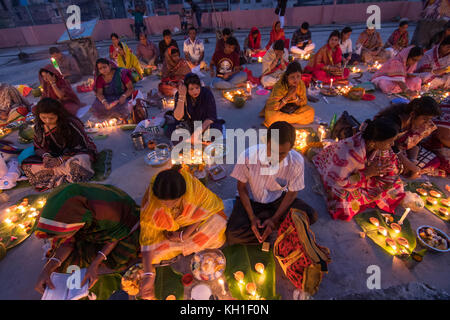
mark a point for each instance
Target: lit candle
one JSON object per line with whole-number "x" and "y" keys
{"x": 382, "y": 230}
{"x": 171, "y": 297}
{"x": 222, "y": 285}
{"x": 21, "y": 226}
{"x": 390, "y": 242}
{"x": 239, "y": 276}
{"x": 251, "y": 288}
{"x": 7, "y": 221}
{"x": 403, "y": 242}
{"x": 396, "y": 228}
{"x": 331, "y": 83}
{"x": 259, "y": 267}
{"x": 374, "y": 221}
{"x": 259, "y": 59}
{"x": 400, "y": 222}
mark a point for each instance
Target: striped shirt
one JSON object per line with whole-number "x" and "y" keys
{"x": 266, "y": 188}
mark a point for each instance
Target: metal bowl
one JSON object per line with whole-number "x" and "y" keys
{"x": 152, "y": 159}
{"x": 439, "y": 232}
{"x": 198, "y": 259}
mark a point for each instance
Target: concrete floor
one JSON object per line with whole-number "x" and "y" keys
{"x": 351, "y": 255}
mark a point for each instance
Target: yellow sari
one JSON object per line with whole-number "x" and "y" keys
{"x": 303, "y": 115}
{"x": 199, "y": 205}
{"x": 131, "y": 61}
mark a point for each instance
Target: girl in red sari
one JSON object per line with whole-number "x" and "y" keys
{"x": 361, "y": 172}
{"x": 56, "y": 87}
{"x": 327, "y": 63}
{"x": 277, "y": 33}
{"x": 252, "y": 44}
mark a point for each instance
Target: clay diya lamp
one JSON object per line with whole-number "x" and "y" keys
{"x": 396, "y": 228}
{"x": 443, "y": 211}
{"x": 435, "y": 194}
{"x": 259, "y": 267}
{"x": 251, "y": 288}
{"x": 171, "y": 297}
{"x": 382, "y": 230}
{"x": 390, "y": 242}
{"x": 374, "y": 221}
{"x": 431, "y": 201}
{"x": 403, "y": 242}
{"x": 239, "y": 276}
{"x": 422, "y": 192}
{"x": 445, "y": 202}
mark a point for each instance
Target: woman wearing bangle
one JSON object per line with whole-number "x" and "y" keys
{"x": 194, "y": 103}
{"x": 114, "y": 88}
{"x": 179, "y": 215}
{"x": 56, "y": 87}
{"x": 288, "y": 102}
{"x": 63, "y": 152}
{"x": 91, "y": 226}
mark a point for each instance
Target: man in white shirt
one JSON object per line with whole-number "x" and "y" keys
{"x": 194, "y": 50}
{"x": 264, "y": 200}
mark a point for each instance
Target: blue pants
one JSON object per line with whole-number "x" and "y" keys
{"x": 198, "y": 16}
{"x": 222, "y": 84}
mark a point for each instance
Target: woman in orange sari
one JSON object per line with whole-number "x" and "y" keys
{"x": 179, "y": 215}
{"x": 277, "y": 33}
{"x": 327, "y": 63}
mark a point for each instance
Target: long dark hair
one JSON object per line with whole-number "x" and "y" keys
{"x": 415, "y": 52}
{"x": 335, "y": 33}
{"x": 63, "y": 128}
{"x": 380, "y": 129}
{"x": 102, "y": 61}
{"x": 292, "y": 67}
{"x": 169, "y": 184}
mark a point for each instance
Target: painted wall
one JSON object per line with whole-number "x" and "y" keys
{"x": 243, "y": 19}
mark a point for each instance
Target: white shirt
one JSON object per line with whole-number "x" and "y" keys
{"x": 195, "y": 49}
{"x": 346, "y": 46}
{"x": 268, "y": 188}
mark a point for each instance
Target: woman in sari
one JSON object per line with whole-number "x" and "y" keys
{"x": 194, "y": 103}
{"x": 288, "y": 101}
{"x": 398, "y": 40}
{"x": 277, "y": 33}
{"x": 91, "y": 226}
{"x": 434, "y": 66}
{"x": 173, "y": 71}
{"x": 56, "y": 87}
{"x": 252, "y": 44}
{"x": 12, "y": 103}
{"x": 327, "y": 63}
{"x": 395, "y": 76}
{"x": 114, "y": 89}
{"x": 126, "y": 59}
{"x": 179, "y": 215}
{"x": 416, "y": 124}
{"x": 361, "y": 172}
{"x": 370, "y": 46}
{"x": 114, "y": 47}
{"x": 63, "y": 152}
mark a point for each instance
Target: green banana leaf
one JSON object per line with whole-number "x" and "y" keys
{"x": 168, "y": 282}
{"x": 106, "y": 285}
{"x": 371, "y": 231}
{"x": 433, "y": 208}
{"x": 8, "y": 230}
{"x": 368, "y": 86}
{"x": 243, "y": 258}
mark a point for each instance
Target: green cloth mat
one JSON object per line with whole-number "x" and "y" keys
{"x": 433, "y": 208}
{"x": 102, "y": 169}
{"x": 362, "y": 219}
{"x": 243, "y": 258}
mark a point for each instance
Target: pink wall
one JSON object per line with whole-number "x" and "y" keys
{"x": 244, "y": 19}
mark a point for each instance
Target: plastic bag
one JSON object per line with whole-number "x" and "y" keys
{"x": 413, "y": 201}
